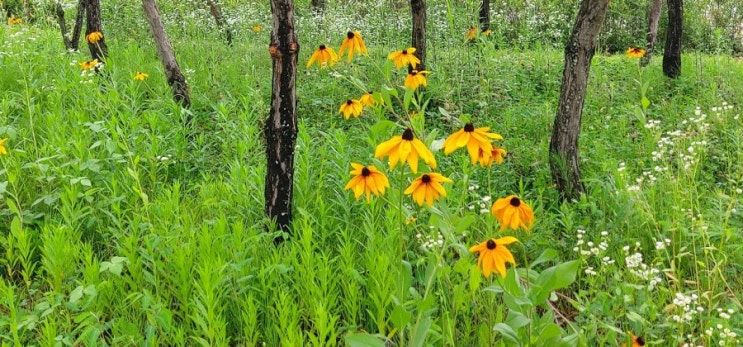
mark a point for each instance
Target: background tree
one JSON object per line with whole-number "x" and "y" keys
{"x": 672, "y": 53}
{"x": 98, "y": 49}
{"x": 484, "y": 15}
{"x": 418, "y": 10}
{"x": 216, "y": 11}
{"x": 578, "y": 55}
{"x": 281, "y": 127}
{"x": 176, "y": 80}
{"x": 653, "y": 21}
{"x": 71, "y": 43}
{"x": 318, "y": 6}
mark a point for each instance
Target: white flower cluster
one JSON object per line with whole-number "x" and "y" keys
{"x": 431, "y": 242}
{"x": 727, "y": 336}
{"x": 592, "y": 249}
{"x": 686, "y": 307}
{"x": 637, "y": 267}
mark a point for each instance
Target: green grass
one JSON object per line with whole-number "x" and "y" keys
{"x": 123, "y": 226}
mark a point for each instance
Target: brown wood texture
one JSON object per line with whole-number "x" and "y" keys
{"x": 418, "y": 11}
{"x": 98, "y": 50}
{"x": 653, "y": 22}
{"x": 672, "y": 52}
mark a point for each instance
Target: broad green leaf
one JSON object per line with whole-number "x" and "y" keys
{"x": 508, "y": 333}
{"x": 645, "y": 103}
{"x": 421, "y": 331}
{"x": 363, "y": 340}
{"x": 547, "y": 255}
{"x": 400, "y": 317}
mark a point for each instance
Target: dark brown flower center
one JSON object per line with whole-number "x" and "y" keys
{"x": 404, "y": 51}
{"x": 322, "y": 47}
{"x": 469, "y": 127}
{"x": 413, "y": 73}
{"x": 425, "y": 178}
{"x": 408, "y": 135}
{"x": 365, "y": 172}
{"x": 515, "y": 202}
{"x": 349, "y": 102}
{"x": 350, "y": 35}
{"x": 370, "y": 93}
{"x": 640, "y": 341}
{"x": 491, "y": 245}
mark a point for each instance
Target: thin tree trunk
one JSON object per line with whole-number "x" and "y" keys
{"x": 578, "y": 55}
{"x": 318, "y": 6}
{"x": 281, "y": 127}
{"x": 98, "y": 50}
{"x": 221, "y": 24}
{"x": 672, "y": 53}
{"x": 484, "y": 15}
{"x": 653, "y": 21}
{"x": 176, "y": 80}
{"x": 418, "y": 9}
{"x": 75, "y": 40}
{"x": 59, "y": 10}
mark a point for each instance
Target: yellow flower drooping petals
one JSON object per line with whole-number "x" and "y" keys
{"x": 471, "y": 33}
{"x": 477, "y": 140}
{"x": 496, "y": 155}
{"x": 257, "y": 28}
{"x": 3, "y": 150}
{"x": 405, "y": 149}
{"x": 89, "y": 64}
{"x": 353, "y": 43}
{"x": 351, "y": 107}
{"x": 141, "y": 76}
{"x": 427, "y": 188}
{"x": 416, "y": 79}
{"x": 512, "y": 212}
{"x": 404, "y": 57}
{"x": 637, "y": 341}
{"x": 634, "y": 52}
{"x": 323, "y": 55}
{"x": 493, "y": 255}
{"x": 94, "y": 37}
{"x": 367, "y": 179}
{"x": 13, "y": 20}
{"x": 368, "y": 99}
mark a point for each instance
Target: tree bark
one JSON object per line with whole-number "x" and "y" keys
{"x": 484, "y": 15}
{"x": 281, "y": 127}
{"x": 653, "y": 22}
{"x": 418, "y": 10}
{"x": 176, "y": 80}
{"x": 318, "y": 6}
{"x": 672, "y": 53}
{"x": 221, "y": 24}
{"x": 578, "y": 55}
{"x": 98, "y": 50}
{"x": 59, "y": 11}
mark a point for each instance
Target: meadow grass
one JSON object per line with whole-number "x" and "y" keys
{"x": 125, "y": 226}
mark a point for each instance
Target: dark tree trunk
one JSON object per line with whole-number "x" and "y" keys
{"x": 167, "y": 56}
{"x": 484, "y": 15}
{"x": 318, "y": 6}
{"x": 653, "y": 21}
{"x": 98, "y": 50}
{"x": 281, "y": 127}
{"x": 418, "y": 9}
{"x": 75, "y": 40}
{"x": 578, "y": 55}
{"x": 672, "y": 53}
{"x": 221, "y": 24}
{"x": 59, "y": 10}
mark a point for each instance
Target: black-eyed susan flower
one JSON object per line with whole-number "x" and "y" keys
{"x": 634, "y": 52}
{"x": 89, "y": 64}
{"x": 94, "y": 37}
{"x": 486, "y": 32}
{"x": 427, "y": 188}
{"x": 637, "y": 341}
{"x": 471, "y": 33}
{"x": 513, "y": 212}
{"x": 368, "y": 99}
{"x": 367, "y": 179}
{"x": 257, "y": 28}
{"x": 323, "y": 55}
{"x": 141, "y": 76}
{"x": 3, "y": 150}
{"x": 353, "y": 43}
{"x": 404, "y": 57}
{"x": 493, "y": 255}
{"x": 405, "y": 149}
{"x": 476, "y": 140}
{"x": 416, "y": 79}
{"x": 13, "y": 20}
{"x": 496, "y": 154}
{"x": 351, "y": 107}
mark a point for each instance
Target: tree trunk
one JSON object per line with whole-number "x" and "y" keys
{"x": 98, "y": 50}
{"x": 221, "y": 24}
{"x": 672, "y": 53}
{"x": 59, "y": 10}
{"x": 653, "y": 21}
{"x": 418, "y": 9}
{"x": 172, "y": 70}
{"x": 484, "y": 15}
{"x": 318, "y": 6}
{"x": 578, "y": 55}
{"x": 75, "y": 40}
{"x": 281, "y": 127}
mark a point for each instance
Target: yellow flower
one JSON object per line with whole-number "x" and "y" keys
{"x": 637, "y": 341}
{"x": 353, "y": 42}
{"x": 141, "y": 76}
{"x": 404, "y": 57}
{"x": 416, "y": 79}
{"x": 405, "y": 148}
{"x": 496, "y": 155}
{"x": 94, "y": 37}
{"x": 471, "y": 33}
{"x": 368, "y": 99}
{"x": 87, "y": 65}
{"x": 476, "y": 140}
{"x": 427, "y": 188}
{"x": 323, "y": 55}
{"x": 493, "y": 255}
{"x": 351, "y": 107}
{"x": 3, "y": 150}
{"x": 512, "y": 212}
{"x": 257, "y": 28}
{"x": 486, "y": 32}
{"x": 634, "y": 52}
{"x": 12, "y": 20}
{"x": 367, "y": 179}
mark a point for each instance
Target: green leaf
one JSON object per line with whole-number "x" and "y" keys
{"x": 363, "y": 340}
{"x": 549, "y": 254}
{"x": 475, "y": 278}
{"x": 516, "y": 319}
{"x": 400, "y": 317}
{"x": 421, "y": 331}
{"x": 640, "y": 115}
{"x": 508, "y": 333}
{"x": 645, "y": 103}
{"x": 549, "y": 332}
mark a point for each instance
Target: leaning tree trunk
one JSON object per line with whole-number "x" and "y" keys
{"x": 653, "y": 21}
{"x": 167, "y": 56}
{"x": 578, "y": 55}
{"x": 484, "y": 15}
{"x": 221, "y": 24}
{"x": 672, "y": 53}
{"x": 281, "y": 127}
{"x": 75, "y": 40}
{"x": 59, "y": 10}
{"x": 98, "y": 50}
{"x": 418, "y": 9}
